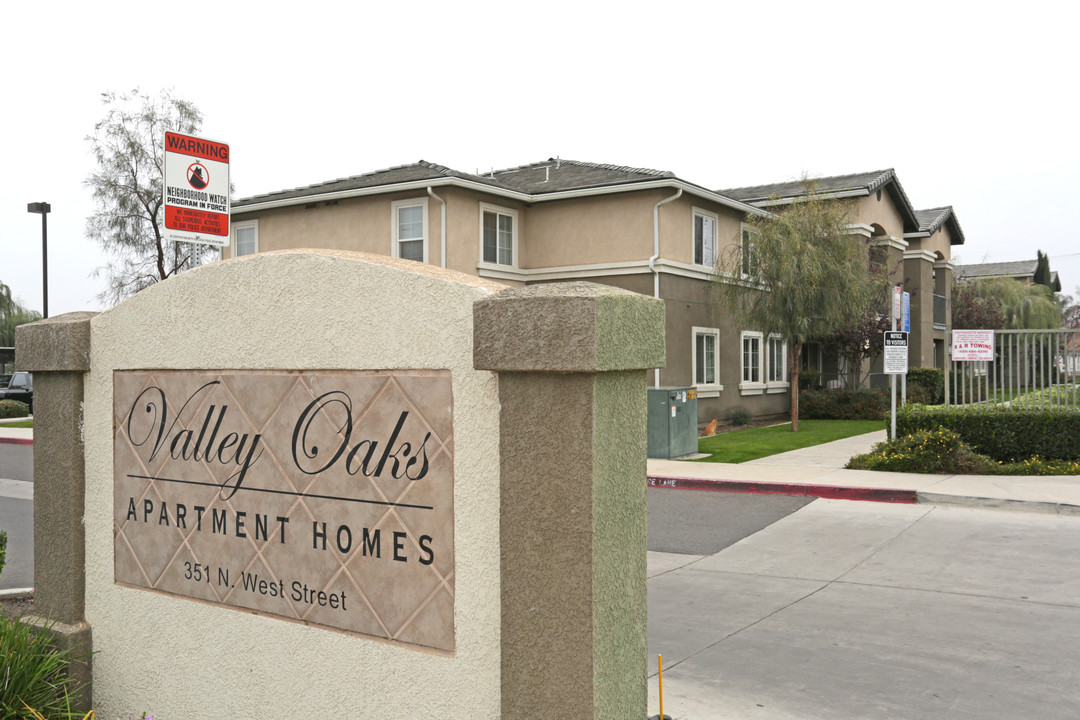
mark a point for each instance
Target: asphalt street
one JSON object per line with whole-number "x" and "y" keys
{"x": 845, "y": 610}
{"x": 703, "y": 523}
{"x": 17, "y": 462}
{"x": 17, "y": 514}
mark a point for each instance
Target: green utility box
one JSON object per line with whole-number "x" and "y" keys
{"x": 672, "y": 422}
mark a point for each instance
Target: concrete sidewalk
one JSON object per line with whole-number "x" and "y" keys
{"x": 819, "y": 471}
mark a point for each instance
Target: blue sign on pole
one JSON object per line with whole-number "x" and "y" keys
{"x": 907, "y": 313}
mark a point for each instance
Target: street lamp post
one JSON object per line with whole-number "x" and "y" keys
{"x": 43, "y": 209}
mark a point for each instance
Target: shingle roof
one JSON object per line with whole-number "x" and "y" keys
{"x": 1016, "y": 269}
{"x": 557, "y": 175}
{"x": 825, "y": 185}
{"x": 868, "y": 182}
{"x": 551, "y": 176}
{"x": 422, "y": 170}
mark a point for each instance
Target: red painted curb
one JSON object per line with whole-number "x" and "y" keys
{"x": 16, "y": 441}
{"x": 889, "y": 495}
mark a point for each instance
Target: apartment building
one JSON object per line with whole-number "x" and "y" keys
{"x": 643, "y": 230}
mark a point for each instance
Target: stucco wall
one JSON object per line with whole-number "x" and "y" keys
{"x": 180, "y": 658}
{"x": 870, "y": 210}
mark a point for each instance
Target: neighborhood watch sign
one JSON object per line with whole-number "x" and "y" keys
{"x": 318, "y": 497}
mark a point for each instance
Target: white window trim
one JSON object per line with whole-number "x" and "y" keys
{"x": 709, "y": 390}
{"x": 743, "y": 230}
{"x": 408, "y": 202}
{"x": 752, "y": 388}
{"x": 488, "y": 207}
{"x": 716, "y": 236}
{"x": 777, "y": 386}
{"x": 244, "y": 224}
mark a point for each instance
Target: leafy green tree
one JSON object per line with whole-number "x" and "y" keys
{"x": 1070, "y": 310}
{"x": 128, "y": 146}
{"x": 12, "y": 314}
{"x": 799, "y": 276}
{"x": 1042, "y": 270}
{"x": 971, "y": 311}
{"x": 1022, "y": 306}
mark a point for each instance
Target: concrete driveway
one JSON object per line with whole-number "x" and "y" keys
{"x": 870, "y": 610}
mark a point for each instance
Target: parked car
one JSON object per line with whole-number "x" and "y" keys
{"x": 20, "y": 387}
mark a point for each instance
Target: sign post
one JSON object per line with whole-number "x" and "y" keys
{"x": 905, "y": 325}
{"x": 196, "y": 190}
{"x": 896, "y": 363}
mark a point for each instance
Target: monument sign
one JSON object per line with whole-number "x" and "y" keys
{"x": 319, "y": 497}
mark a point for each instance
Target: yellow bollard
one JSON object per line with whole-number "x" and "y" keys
{"x": 660, "y": 665}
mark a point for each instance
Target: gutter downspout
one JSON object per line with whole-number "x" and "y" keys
{"x": 656, "y": 254}
{"x": 442, "y": 224}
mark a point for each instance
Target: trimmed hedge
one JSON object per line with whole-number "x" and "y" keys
{"x": 861, "y": 404}
{"x": 13, "y": 409}
{"x": 926, "y": 386}
{"x": 1002, "y": 434}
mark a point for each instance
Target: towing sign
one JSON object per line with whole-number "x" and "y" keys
{"x": 196, "y": 190}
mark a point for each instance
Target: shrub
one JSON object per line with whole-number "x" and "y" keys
{"x": 925, "y": 451}
{"x": 34, "y": 672}
{"x": 740, "y": 416}
{"x": 926, "y": 386}
{"x": 860, "y": 404}
{"x": 13, "y": 409}
{"x": 809, "y": 379}
{"x": 1003, "y": 434}
{"x": 1049, "y": 398}
{"x": 3, "y": 550}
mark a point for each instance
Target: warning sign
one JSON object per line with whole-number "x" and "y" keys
{"x": 973, "y": 345}
{"x": 196, "y": 190}
{"x": 896, "y": 353}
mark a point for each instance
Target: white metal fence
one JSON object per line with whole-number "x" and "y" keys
{"x": 1031, "y": 369}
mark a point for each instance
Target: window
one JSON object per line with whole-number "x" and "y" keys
{"x": 704, "y": 361}
{"x": 751, "y": 358}
{"x": 704, "y": 238}
{"x": 764, "y": 364}
{"x": 498, "y": 235}
{"x": 747, "y": 256}
{"x": 245, "y": 238}
{"x": 777, "y": 360}
{"x": 410, "y": 229}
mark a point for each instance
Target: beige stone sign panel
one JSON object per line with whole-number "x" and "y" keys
{"x": 321, "y": 497}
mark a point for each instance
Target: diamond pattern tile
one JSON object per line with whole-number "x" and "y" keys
{"x": 319, "y": 497}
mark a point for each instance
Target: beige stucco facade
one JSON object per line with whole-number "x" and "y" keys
{"x": 638, "y": 237}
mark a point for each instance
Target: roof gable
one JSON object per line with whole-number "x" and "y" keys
{"x": 932, "y": 219}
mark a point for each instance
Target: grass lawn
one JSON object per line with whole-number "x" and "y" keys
{"x": 20, "y": 424}
{"x": 753, "y": 443}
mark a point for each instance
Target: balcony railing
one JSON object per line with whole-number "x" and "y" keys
{"x": 941, "y": 309}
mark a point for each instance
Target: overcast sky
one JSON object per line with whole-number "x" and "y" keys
{"x": 973, "y": 105}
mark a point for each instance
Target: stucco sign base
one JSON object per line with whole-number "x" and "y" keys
{"x": 317, "y": 497}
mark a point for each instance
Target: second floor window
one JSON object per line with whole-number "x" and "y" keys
{"x": 409, "y": 227}
{"x": 497, "y": 235}
{"x": 747, "y": 254}
{"x": 704, "y": 239}
{"x": 245, "y": 238}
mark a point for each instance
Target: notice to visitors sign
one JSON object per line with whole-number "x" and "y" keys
{"x": 318, "y": 497}
{"x": 896, "y": 353}
{"x": 196, "y": 190}
{"x": 973, "y": 345}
